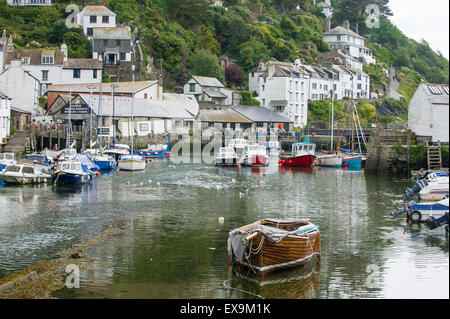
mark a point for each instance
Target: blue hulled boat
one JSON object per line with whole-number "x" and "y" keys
{"x": 71, "y": 172}
{"x": 153, "y": 151}
{"x": 7, "y": 159}
{"x": 103, "y": 161}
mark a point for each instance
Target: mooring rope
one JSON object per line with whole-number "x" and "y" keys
{"x": 244, "y": 291}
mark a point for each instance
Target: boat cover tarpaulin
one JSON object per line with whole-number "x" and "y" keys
{"x": 86, "y": 163}
{"x": 270, "y": 233}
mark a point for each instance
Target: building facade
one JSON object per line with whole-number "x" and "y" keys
{"x": 53, "y": 66}
{"x": 95, "y": 17}
{"x": 5, "y": 117}
{"x": 343, "y": 38}
{"x": 428, "y": 112}
{"x": 112, "y": 45}
{"x": 283, "y": 88}
{"x": 208, "y": 89}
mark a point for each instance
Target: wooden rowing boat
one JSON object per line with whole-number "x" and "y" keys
{"x": 273, "y": 244}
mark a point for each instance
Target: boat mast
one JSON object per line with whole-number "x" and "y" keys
{"x": 332, "y": 115}
{"x": 132, "y": 116}
{"x": 69, "y": 121}
{"x": 99, "y": 113}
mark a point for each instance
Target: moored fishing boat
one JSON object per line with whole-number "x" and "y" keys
{"x": 7, "y": 159}
{"x": 226, "y": 157}
{"x": 23, "y": 174}
{"x": 71, "y": 172}
{"x": 274, "y": 244}
{"x": 303, "y": 154}
{"x": 255, "y": 155}
{"x": 328, "y": 160}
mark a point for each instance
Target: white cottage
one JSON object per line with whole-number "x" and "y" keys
{"x": 53, "y": 66}
{"x": 96, "y": 17}
{"x": 343, "y": 38}
{"x": 428, "y": 112}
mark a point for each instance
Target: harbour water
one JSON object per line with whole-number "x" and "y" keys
{"x": 174, "y": 246}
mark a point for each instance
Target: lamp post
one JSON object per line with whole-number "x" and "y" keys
{"x": 90, "y": 87}
{"x": 113, "y": 86}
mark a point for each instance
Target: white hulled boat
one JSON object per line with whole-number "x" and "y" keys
{"x": 23, "y": 174}
{"x": 227, "y": 157}
{"x": 255, "y": 155}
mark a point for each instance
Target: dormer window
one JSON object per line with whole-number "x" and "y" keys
{"x": 26, "y": 60}
{"x": 47, "y": 59}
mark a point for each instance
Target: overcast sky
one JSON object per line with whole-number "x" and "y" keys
{"x": 419, "y": 19}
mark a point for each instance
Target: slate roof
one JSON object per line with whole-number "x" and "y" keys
{"x": 96, "y": 10}
{"x": 214, "y": 94}
{"x": 341, "y": 30}
{"x": 207, "y": 81}
{"x": 123, "y": 87}
{"x": 260, "y": 114}
{"x": 85, "y": 64}
{"x": 165, "y": 109}
{"x": 35, "y": 56}
{"x": 221, "y": 115}
{"x": 112, "y": 33}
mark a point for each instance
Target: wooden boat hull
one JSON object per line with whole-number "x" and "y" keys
{"x": 292, "y": 251}
{"x": 302, "y": 161}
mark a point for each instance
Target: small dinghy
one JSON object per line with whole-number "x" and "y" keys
{"x": 273, "y": 244}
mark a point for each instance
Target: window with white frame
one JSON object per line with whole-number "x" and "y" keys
{"x": 47, "y": 59}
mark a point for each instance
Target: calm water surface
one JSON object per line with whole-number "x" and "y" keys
{"x": 174, "y": 246}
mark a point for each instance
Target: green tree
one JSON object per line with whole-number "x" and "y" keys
{"x": 204, "y": 63}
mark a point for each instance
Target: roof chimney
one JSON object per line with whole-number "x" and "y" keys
{"x": 10, "y": 46}
{"x": 65, "y": 51}
{"x": 328, "y": 24}
{"x": 346, "y": 25}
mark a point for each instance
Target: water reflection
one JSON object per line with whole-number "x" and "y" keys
{"x": 298, "y": 283}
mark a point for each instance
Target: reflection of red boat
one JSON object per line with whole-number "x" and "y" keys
{"x": 302, "y": 155}
{"x": 297, "y": 169}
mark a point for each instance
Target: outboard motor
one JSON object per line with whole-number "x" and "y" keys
{"x": 433, "y": 223}
{"x": 418, "y": 186}
{"x": 404, "y": 209}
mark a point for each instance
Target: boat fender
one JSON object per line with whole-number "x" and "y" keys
{"x": 290, "y": 162}
{"x": 415, "y": 216}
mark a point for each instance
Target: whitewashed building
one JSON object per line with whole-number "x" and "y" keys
{"x": 428, "y": 112}
{"x": 343, "y": 38}
{"x": 208, "y": 89}
{"x": 282, "y": 87}
{"x": 22, "y": 87}
{"x": 5, "y": 117}
{"x": 53, "y": 66}
{"x": 96, "y": 17}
